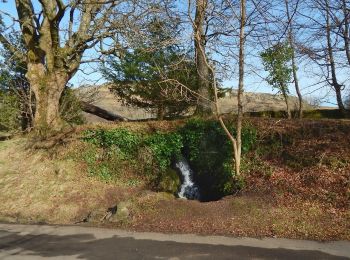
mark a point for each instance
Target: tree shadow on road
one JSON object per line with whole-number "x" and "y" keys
{"x": 86, "y": 246}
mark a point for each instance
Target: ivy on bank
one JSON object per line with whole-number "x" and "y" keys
{"x": 203, "y": 142}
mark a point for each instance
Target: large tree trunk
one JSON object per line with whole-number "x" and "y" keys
{"x": 204, "y": 104}
{"x": 100, "y": 112}
{"x": 294, "y": 68}
{"x": 48, "y": 89}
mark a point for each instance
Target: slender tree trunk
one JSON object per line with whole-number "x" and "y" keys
{"x": 236, "y": 141}
{"x": 203, "y": 105}
{"x": 296, "y": 84}
{"x": 346, "y": 30}
{"x": 340, "y": 103}
{"x": 285, "y": 96}
{"x": 334, "y": 80}
{"x": 240, "y": 88}
{"x": 294, "y": 68}
{"x": 26, "y": 116}
{"x": 47, "y": 88}
{"x": 160, "y": 111}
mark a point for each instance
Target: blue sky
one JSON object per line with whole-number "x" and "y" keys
{"x": 254, "y": 80}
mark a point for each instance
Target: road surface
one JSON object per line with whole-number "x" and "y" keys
{"x": 75, "y": 242}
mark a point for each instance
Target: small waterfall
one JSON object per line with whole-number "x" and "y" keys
{"x": 189, "y": 189}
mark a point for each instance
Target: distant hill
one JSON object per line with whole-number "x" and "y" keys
{"x": 253, "y": 102}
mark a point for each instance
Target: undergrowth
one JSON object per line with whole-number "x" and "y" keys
{"x": 152, "y": 155}
{"x": 120, "y": 149}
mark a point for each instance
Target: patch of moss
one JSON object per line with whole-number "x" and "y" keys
{"x": 169, "y": 181}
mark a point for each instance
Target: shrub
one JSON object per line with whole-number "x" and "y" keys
{"x": 203, "y": 143}
{"x": 210, "y": 155}
{"x": 9, "y": 112}
{"x": 124, "y": 141}
{"x": 165, "y": 147}
{"x": 151, "y": 154}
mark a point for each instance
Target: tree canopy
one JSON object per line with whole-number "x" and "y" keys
{"x": 150, "y": 75}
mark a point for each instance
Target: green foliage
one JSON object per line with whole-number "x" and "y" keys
{"x": 204, "y": 143}
{"x": 276, "y": 61}
{"x": 99, "y": 163}
{"x": 122, "y": 140}
{"x": 14, "y": 88}
{"x": 9, "y": 111}
{"x": 151, "y": 154}
{"x": 148, "y": 75}
{"x": 210, "y": 154}
{"x": 165, "y": 147}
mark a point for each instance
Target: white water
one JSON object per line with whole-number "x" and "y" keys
{"x": 188, "y": 189}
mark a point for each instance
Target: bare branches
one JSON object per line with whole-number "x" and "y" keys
{"x": 17, "y": 54}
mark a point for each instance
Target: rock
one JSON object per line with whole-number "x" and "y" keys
{"x": 123, "y": 212}
{"x": 169, "y": 182}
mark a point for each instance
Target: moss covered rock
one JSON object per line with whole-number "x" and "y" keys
{"x": 169, "y": 181}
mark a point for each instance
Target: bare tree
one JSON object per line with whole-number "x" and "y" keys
{"x": 294, "y": 67}
{"x": 323, "y": 45}
{"x": 332, "y": 66}
{"x": 238, "y": 143}
{"x": 235, "y": 140}
{"x": 54, "y": 51}
{"x": 345, "y": 29}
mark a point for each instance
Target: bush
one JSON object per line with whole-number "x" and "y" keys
{"x": 210, "y": 155}
{"x": 165, "y": 147}
{"x": 151, "y": 154}
{"x": 126, "y": 142}
{"x": 10, "y": 117}
{"x": 203, "y": 143}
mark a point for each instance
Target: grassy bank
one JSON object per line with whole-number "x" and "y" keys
{"x": 296, "y": 184}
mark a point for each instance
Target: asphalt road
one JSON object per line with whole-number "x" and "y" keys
{"x": 74, "y": 242}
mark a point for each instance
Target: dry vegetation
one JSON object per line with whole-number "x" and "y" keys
{"x": 102, "y": 97}
{"x": 297, "y": 186}
{"x": 36, "y": 188}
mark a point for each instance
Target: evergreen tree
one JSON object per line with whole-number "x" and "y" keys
{"x": 153, "y": 74}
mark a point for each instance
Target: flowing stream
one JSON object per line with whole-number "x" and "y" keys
{"x": 188, "y": 190}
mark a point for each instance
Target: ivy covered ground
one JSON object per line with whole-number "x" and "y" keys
{"x": 295, "y": 184}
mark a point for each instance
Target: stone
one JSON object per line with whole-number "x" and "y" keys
{"x": 123, "y": 212}
{"x": 169, "y": 182}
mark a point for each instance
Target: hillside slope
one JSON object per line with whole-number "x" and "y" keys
{"x": 297, "y": 185}
{"x": 253, "y": 102}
